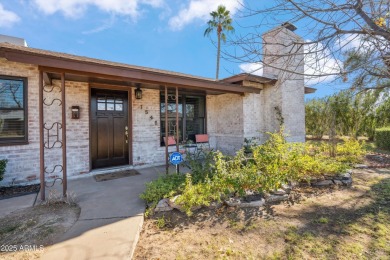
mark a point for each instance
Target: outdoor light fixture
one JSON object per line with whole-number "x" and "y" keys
{"x": 138, "y": 92}
{"x": 75, "y": 112}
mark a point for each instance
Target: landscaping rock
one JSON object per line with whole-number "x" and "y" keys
{"x": 338, "y": 182}
{"x": 163, "y": 205}
{"x": 276, "y": 198}
{"x": 361, "y": 166}
{"x": 323, "y": 184}
{"x": 172, "y": 203}
{"x": 252, "y": 204}
{"x": 233, "y": 202}
{"x": 287, "y": 188}
{"x": 215, "y": 205}
{"x": 236, "y": 202}
{"x": 346, "y": 176}
{"x": 347, "y": 182}
{"x": 279, "y": 192}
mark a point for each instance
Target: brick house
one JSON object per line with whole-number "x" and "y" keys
{"x": 106, "y": 124}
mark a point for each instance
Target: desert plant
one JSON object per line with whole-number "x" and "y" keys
{"x": 3, "y": 166}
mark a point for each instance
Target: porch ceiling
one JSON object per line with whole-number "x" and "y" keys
{"x": 106, "y": 72}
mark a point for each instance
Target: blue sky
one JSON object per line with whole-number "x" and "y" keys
{"x": 164, "y": 34}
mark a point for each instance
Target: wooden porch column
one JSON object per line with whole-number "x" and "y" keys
{"x": 177, "y": 119}
{"x": 166, "y": 130}
{"x": 177, "y": 124}
{"x": 41, "y": 138}
{"x": 64, "y": 171}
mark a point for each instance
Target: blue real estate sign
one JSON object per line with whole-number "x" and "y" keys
{"x": 176, "y": 158}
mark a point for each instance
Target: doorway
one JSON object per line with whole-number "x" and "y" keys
{"x": 110, "y": 128}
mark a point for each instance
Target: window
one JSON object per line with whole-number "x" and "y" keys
{"x": 13, "y": 110}
{"x": 191, "y": 116}
{"x": 109, "y": 104}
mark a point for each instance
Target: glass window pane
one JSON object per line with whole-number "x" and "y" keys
{"x": 12, "y": 123}
{"x": 119, "y": 101}
{"x": 118, "y": 107}
{"x": 11, "y": 93}
{"x": 101, "y": 106}
{"x": 110, "y": 106}
{"x": 110, "y": 100}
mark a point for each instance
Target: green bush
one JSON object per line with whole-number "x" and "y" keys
{"x": 3, "y": 165}
{"x": 273, "y": 163}
{"x": 350, "y": 151}
{"x": 382, "y": 138}
{"x": 195, "y": 195}
{"x": 165, "y": 186}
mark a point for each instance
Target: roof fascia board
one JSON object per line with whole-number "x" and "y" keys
{"x": 52, "y": 64}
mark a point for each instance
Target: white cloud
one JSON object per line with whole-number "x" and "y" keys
{"x": 349, "y": 41}
{"x": 200, "y": 10}
{"x": 106, "y": 25}
{"x": 7, "y": 18}
{"x": 76, "y": 8}
{"x": 252, "y": 68}
{"x": 320, "y": 63}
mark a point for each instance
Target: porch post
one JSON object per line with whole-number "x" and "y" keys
{"x": 177, "y": 124}
{"x": 166, "y": 130}
{"x": 41, "y": 138}
{"x": 64, "y": 172}
{"x": 177, "y": 119}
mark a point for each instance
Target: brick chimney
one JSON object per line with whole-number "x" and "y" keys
{"x": 284, "y": 60}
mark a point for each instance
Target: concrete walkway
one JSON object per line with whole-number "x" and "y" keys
{"x": 110, "y": 221}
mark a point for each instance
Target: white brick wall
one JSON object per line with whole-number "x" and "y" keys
{"x": 23, "y": 160}
{"x": 225, "y": 122}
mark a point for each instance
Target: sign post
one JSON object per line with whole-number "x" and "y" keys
{"x": 176, "y": 158}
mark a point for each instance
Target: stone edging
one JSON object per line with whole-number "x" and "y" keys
{"x": 282, "y": 194}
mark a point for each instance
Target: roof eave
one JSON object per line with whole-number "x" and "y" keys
{"x": 57, "y": 64}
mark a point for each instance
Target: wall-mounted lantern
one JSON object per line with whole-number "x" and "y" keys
{"x": 138, "y": 92}
{"x": 75, "y": 112}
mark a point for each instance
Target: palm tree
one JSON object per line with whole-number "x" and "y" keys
{"x": 221, "y": 21}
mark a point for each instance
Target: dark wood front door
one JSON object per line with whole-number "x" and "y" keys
{"x": 109, "y": 128}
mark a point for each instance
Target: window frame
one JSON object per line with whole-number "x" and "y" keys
{"x": 183, "y": 119}
{"x": 8, "y": 141}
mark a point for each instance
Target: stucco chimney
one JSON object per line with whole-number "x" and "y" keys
{"x": 284, "y": 60}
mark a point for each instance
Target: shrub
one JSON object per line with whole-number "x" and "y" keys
{"x": 165, "y": 186}
{"x": 350, "y": 151}
{"x": 382, "y": 138}
{"x": 195, "y": 195}
{"x": 3, "y": 165}
{"x": 202, "y": 165}
{"x": 274, "y": 163}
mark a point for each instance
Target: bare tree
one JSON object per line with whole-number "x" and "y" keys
{"x": 342, "y": 38}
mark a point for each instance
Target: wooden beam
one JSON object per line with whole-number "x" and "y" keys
{"x": 41, "y": 139}
{"x": 47, "y": 79}
{"x": 63, "y": 126}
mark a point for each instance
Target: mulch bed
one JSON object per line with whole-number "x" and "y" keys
{"x": 377, "y": 160}
{"x": 14, "y": 191}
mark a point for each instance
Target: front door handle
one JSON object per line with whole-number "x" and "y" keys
{"x": 127, "y": 134}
